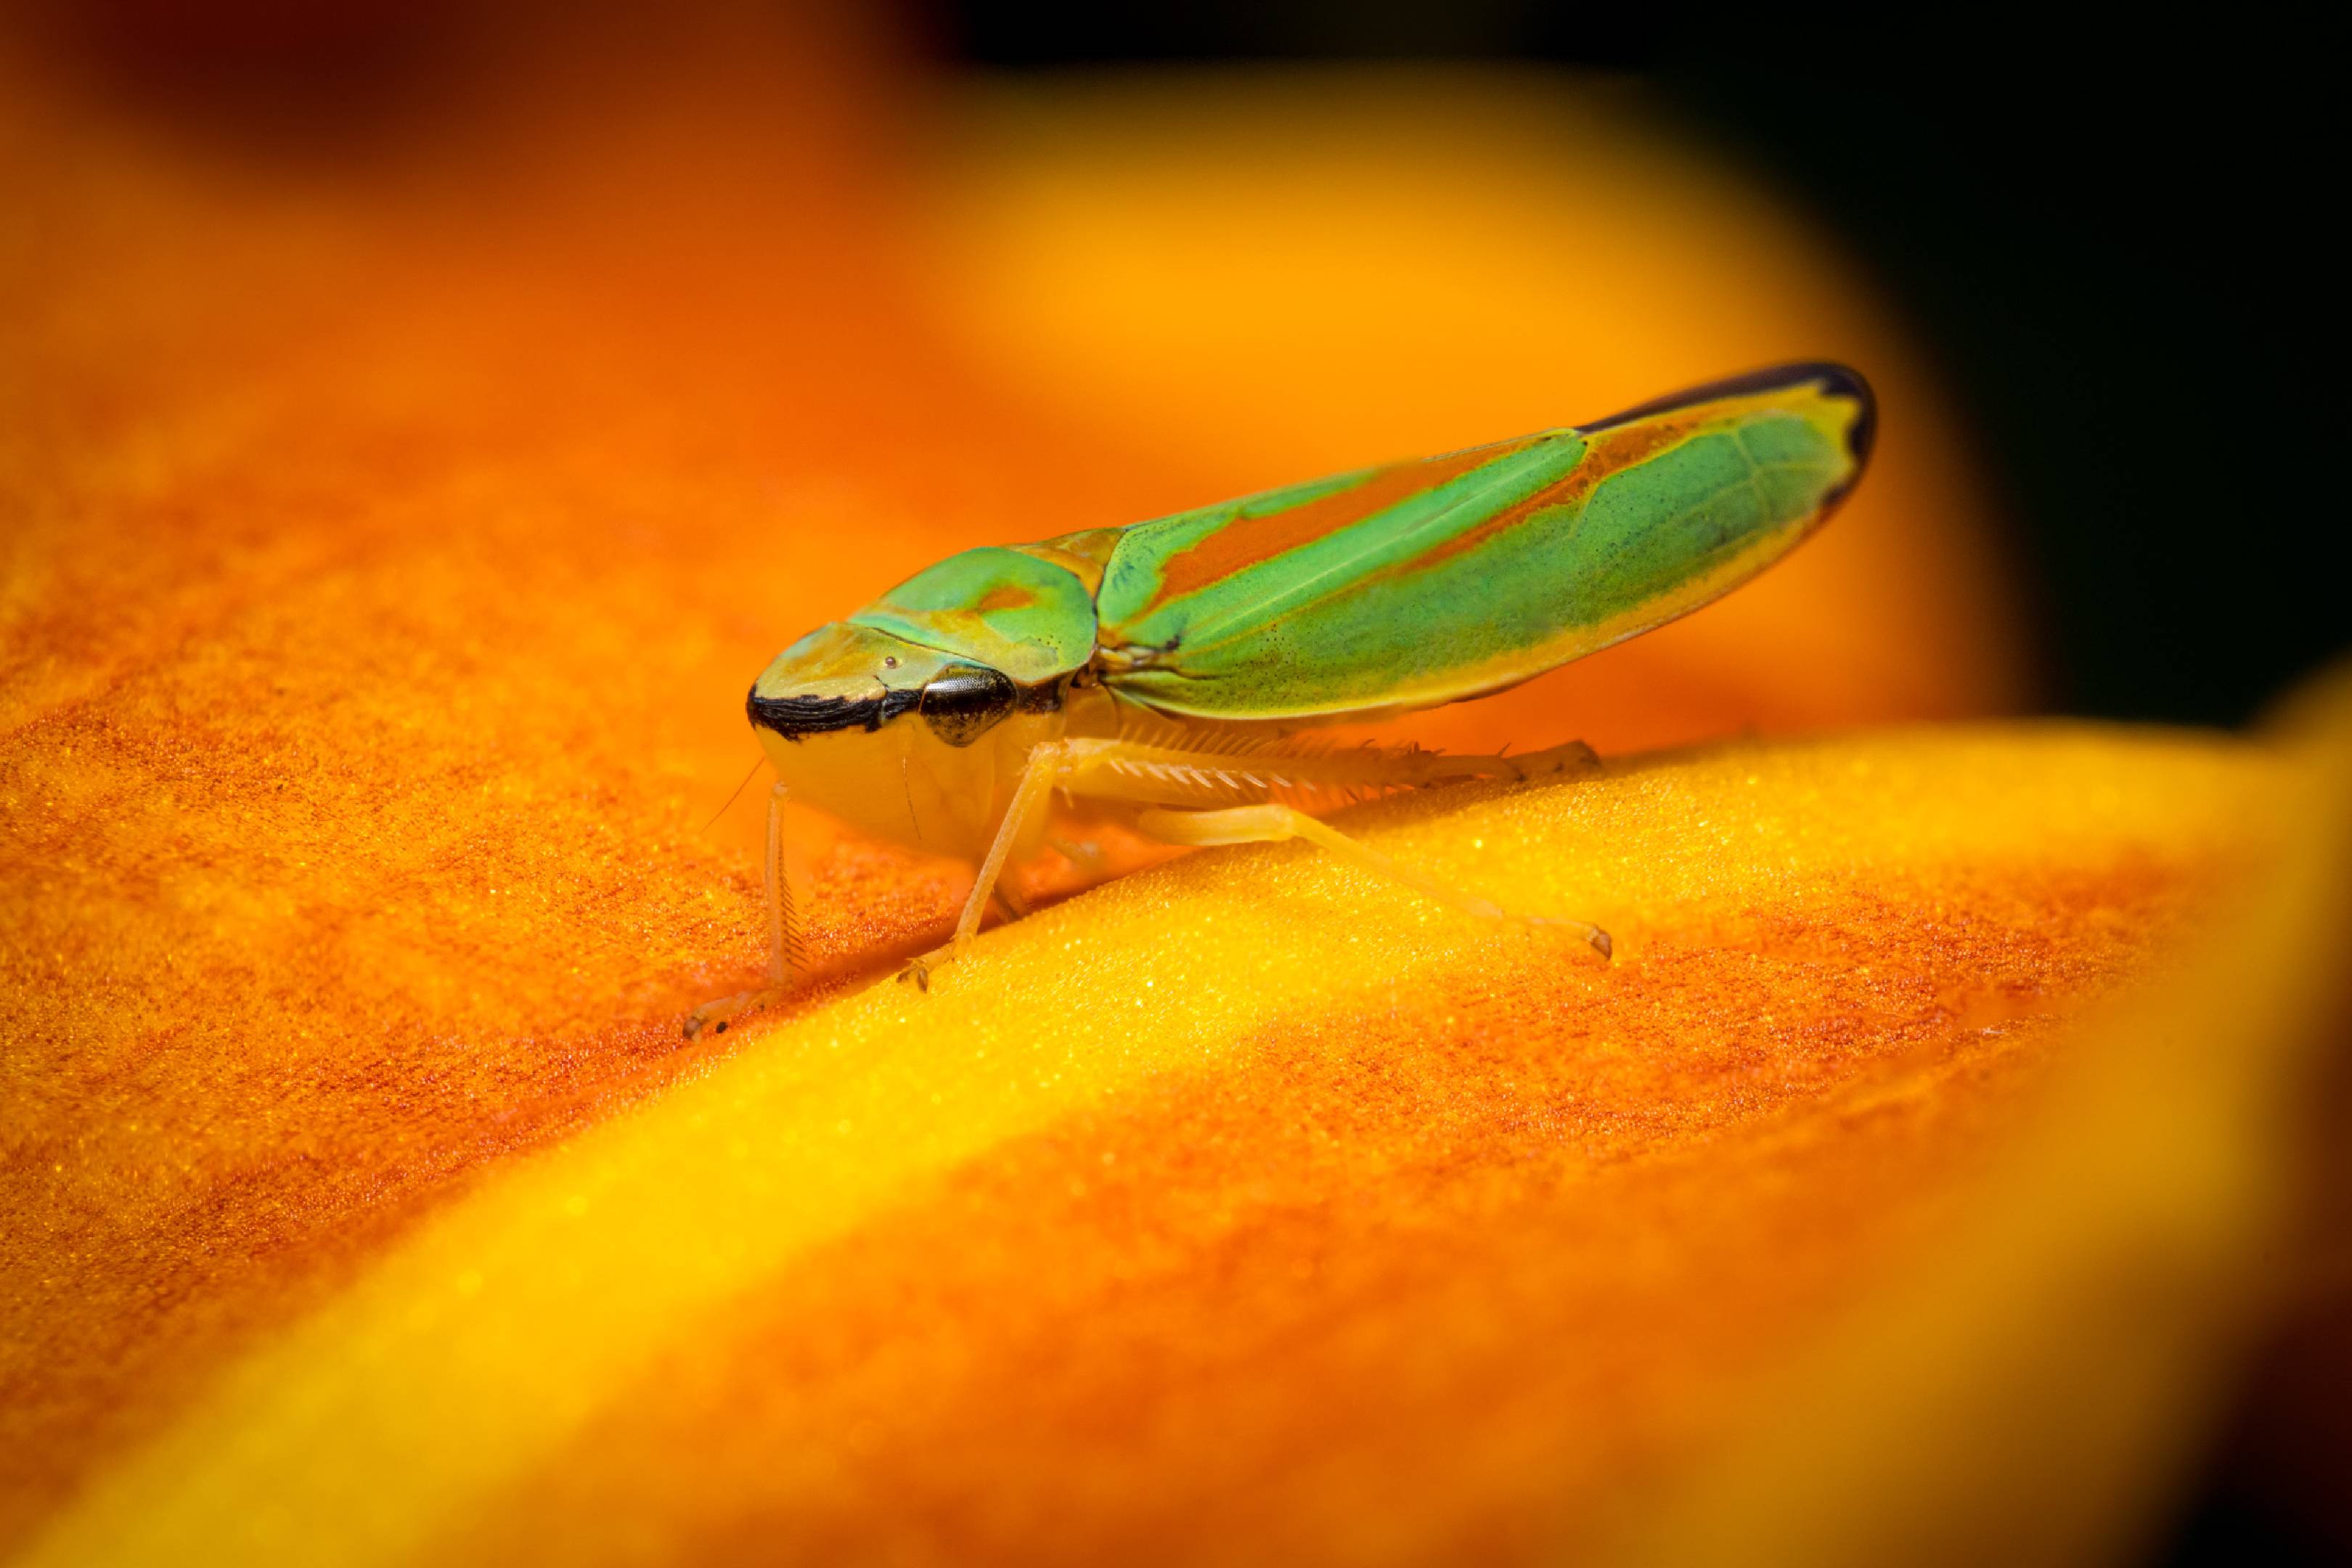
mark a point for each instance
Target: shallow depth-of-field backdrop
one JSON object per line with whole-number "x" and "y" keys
{"x": 417, "y": 429}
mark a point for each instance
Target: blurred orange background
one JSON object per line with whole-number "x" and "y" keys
{"x": 406, "y": 471}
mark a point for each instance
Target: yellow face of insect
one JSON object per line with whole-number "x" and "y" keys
{"x": 895, "y": 739}
{"x": 845, "y": 677}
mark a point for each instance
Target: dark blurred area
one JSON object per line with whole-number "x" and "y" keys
{"x": 2114, "y": 245}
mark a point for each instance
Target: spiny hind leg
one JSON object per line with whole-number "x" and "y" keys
{"x": 783, "y": 938}
{"x": 1175, "y": 770}
{"x": 1272, "y": 823}
{"x": 1163, "y": 775}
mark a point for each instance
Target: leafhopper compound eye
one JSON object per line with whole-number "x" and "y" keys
{"x": 965, "y": 702}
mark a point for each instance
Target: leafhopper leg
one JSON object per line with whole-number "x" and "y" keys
{"x": 1037, "y": 779}
{"x": 1273, "y": 823}
{"x": 783, "y": 937}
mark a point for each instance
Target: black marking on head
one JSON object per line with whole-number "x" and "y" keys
{"x": 795, "y": 717}
{"x": 965, "y": 702}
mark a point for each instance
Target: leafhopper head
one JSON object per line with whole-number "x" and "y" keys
{"x": 900, "y": 740}
{"x": 850, "y": 678}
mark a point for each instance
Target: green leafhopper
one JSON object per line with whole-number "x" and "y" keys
{"x": 1161, "y": 674}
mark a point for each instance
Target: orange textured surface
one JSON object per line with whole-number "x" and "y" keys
{"x": 1424, "y": 1284}
{"x": 386, "y": 555}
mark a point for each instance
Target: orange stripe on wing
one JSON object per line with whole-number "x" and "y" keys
{"x": 1607, "y": 453}
{"x": 1248, "y": 541}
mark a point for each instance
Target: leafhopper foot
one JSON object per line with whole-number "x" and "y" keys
{"x": 920, "y": 970}
{"x": 714, "y": 1017}
{"x": 1593, "y": 936}
{"x": 1574, "y": 757}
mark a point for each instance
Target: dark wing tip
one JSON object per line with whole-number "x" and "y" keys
{"x": 1843, "y": 380}
{"x": 1834, "y": 379}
